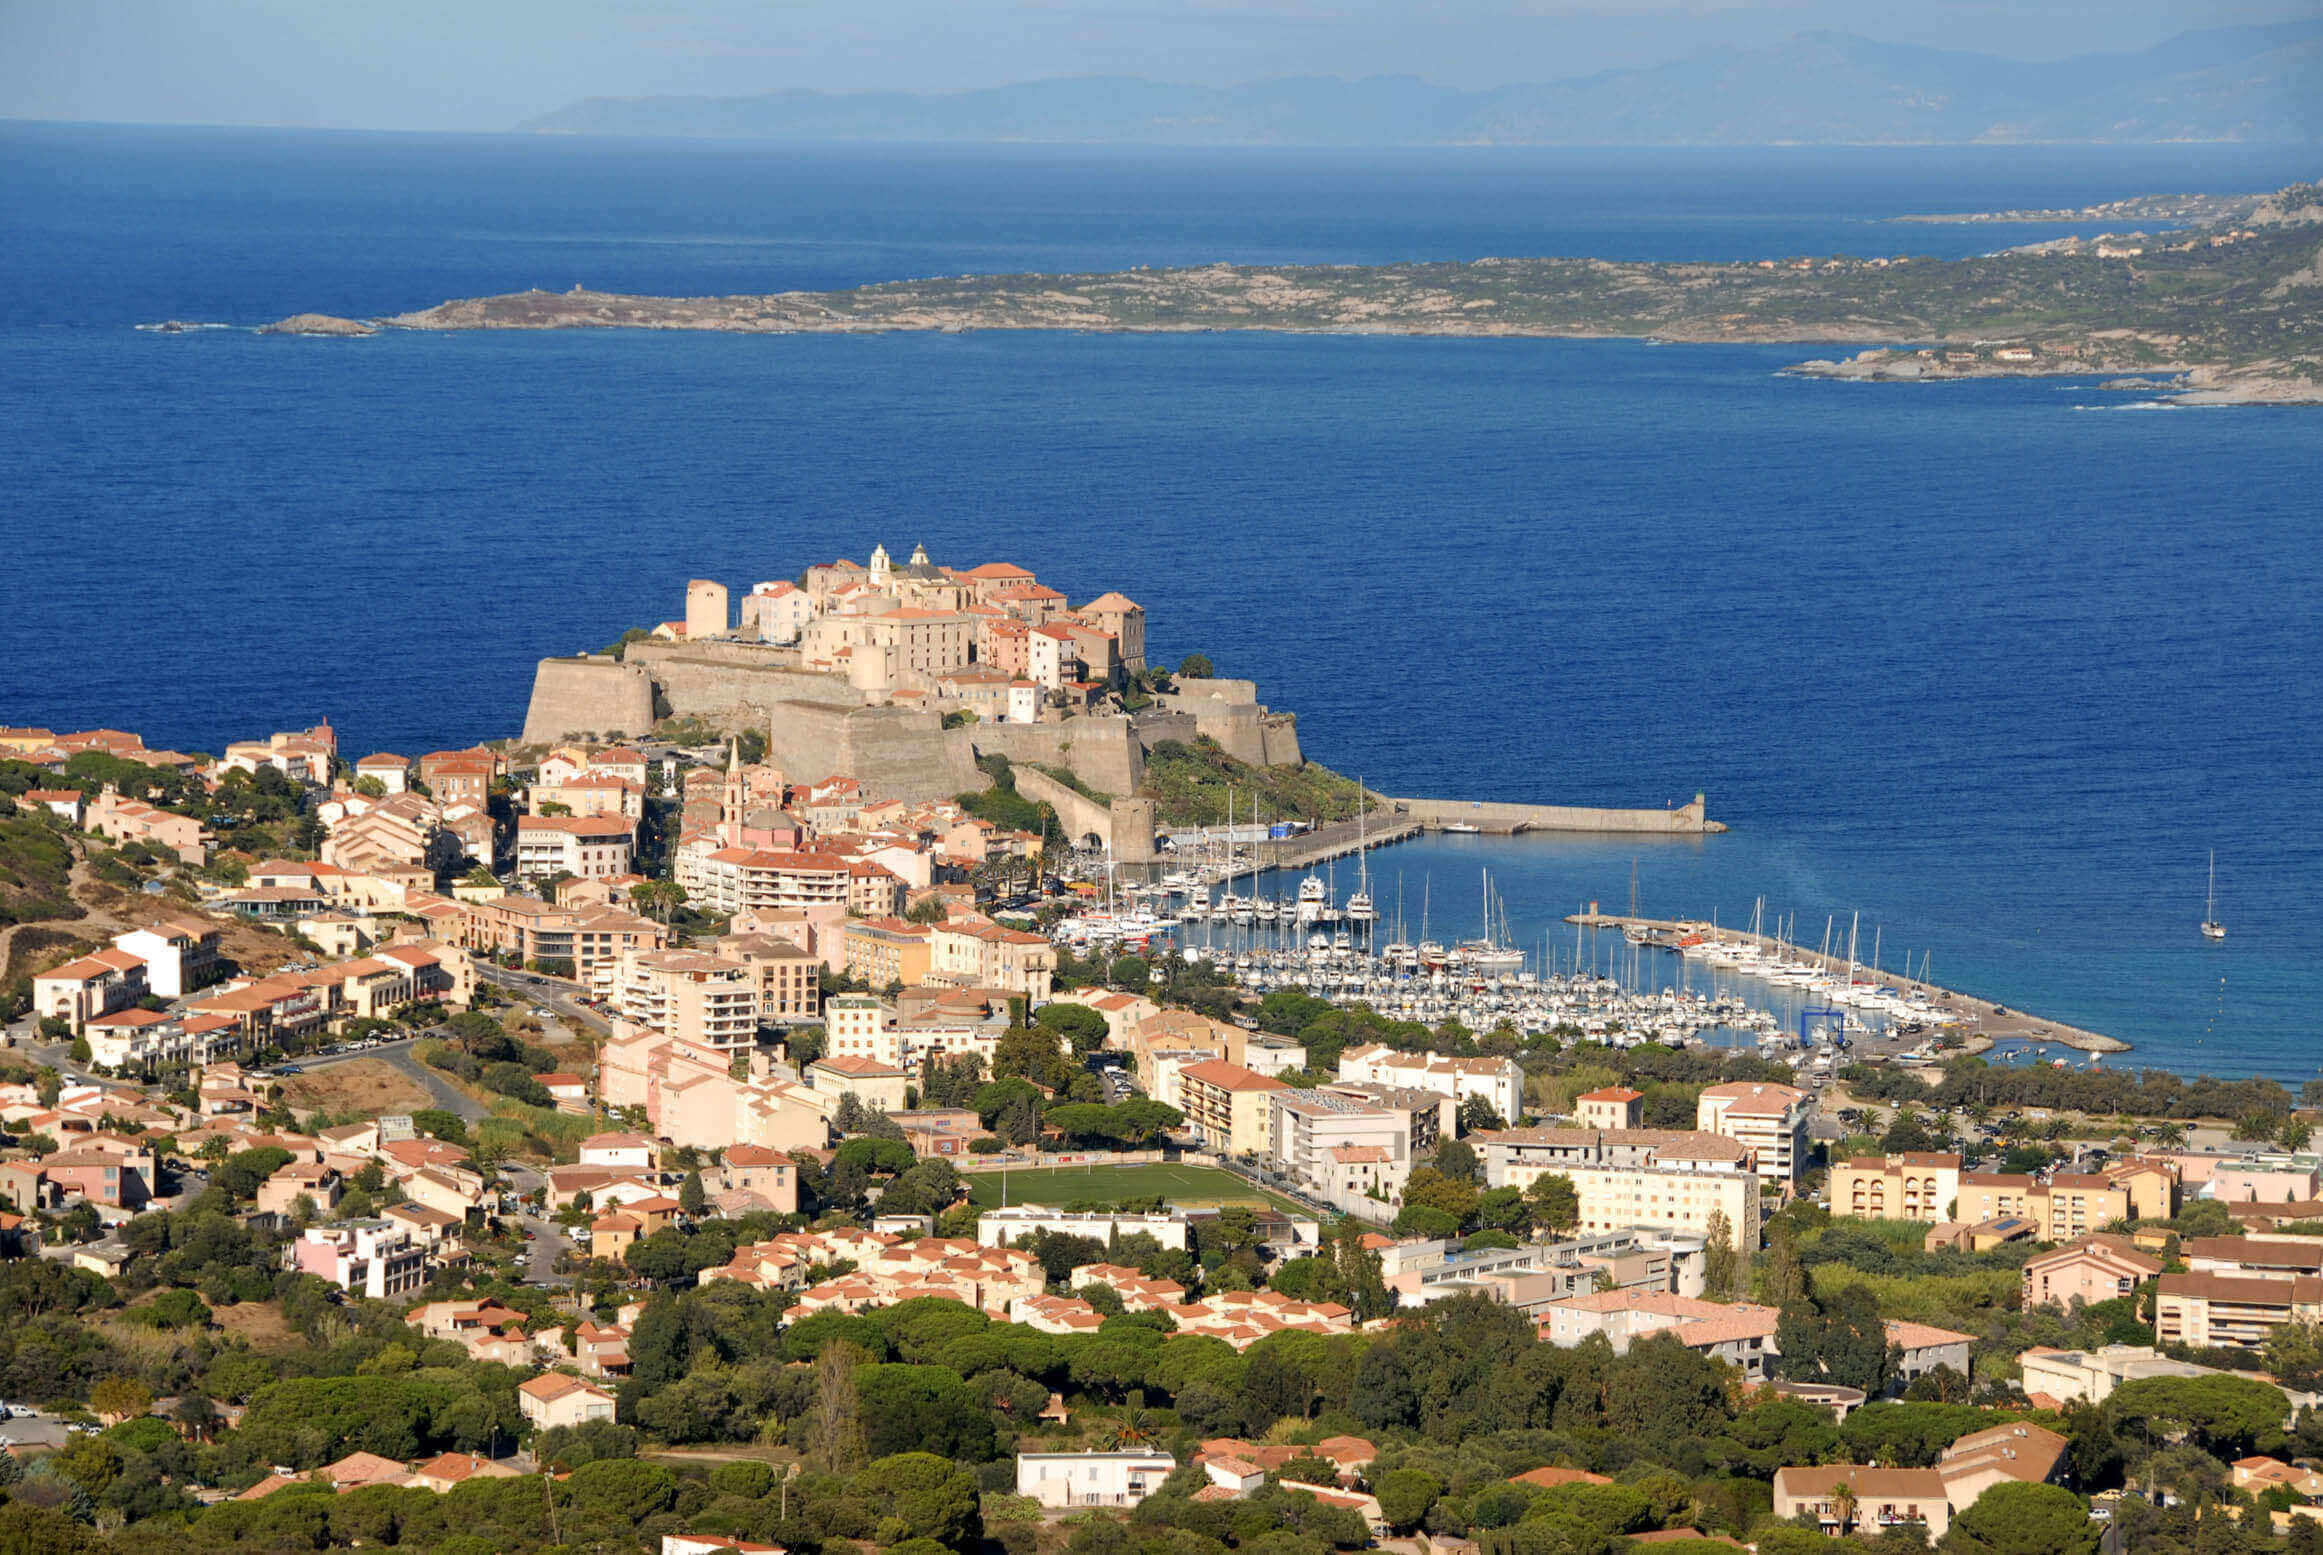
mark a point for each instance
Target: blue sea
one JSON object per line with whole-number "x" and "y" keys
{"x": 1994, "y": 665}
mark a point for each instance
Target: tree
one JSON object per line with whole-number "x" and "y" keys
{"x": 658, "y": 897}
{"x": 1081, "y": 1027}
{"x": 120, "y": 1398}
{"x": 693, "y": 1198}
{"x": 922, "y": 1496}
{"x": 1721, "y": 1264}
{"x": 1456, "y": 1158}
{"x": 835, "y": 1429}
{"x": 2295, "y": 1134}
{"x": 1405, "y": 1495}
{"x": 1429, "y": 1187}
{"x": 1908, "y": 1132}
{"x": 1841, "y": 1341}
{"x": 1556, "y": 1206}
{"x": 1195, "y": 666}
{"x": 1477, "y": 1116}
{"x": 2013, "y": 1518}
{"x": 2225, "y": 1415}
{"x": 2257, "y": 1127}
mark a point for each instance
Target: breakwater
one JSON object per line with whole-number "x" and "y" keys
{"x": 1983, "y": 1021}
{"x": 1691, "y": 819}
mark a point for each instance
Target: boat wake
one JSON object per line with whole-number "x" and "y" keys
{"x": 181, "y": 327}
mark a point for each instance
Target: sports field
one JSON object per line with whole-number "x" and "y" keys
{"x": 1194, "y": 1186}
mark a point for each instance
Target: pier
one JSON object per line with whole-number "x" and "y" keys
{"x": 1337, "y": 840}
{"x": 1991, "y": 1022}
{"x": 1484, "y": 815}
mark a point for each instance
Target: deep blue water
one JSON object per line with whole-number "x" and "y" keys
{"x": 1994, "y": 663}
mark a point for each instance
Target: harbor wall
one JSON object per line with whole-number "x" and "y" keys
{"x": 1685, "y": 820}
{"x": 594, "y": 696}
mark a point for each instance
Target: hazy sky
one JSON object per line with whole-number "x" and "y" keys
{"x": 487, "y": 64}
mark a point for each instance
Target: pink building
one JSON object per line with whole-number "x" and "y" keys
{"x": 2093, "y": 1269}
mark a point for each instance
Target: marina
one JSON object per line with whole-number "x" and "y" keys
{"x": 1623, "y": 978}
{"x": 1984, "y": 1023}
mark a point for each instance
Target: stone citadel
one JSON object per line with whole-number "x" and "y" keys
{"x": 903, "y": 674}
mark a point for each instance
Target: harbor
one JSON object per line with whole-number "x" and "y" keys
{"x": 1982, "y": 1023}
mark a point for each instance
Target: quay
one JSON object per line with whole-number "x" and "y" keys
{"x": 1483, "y": 815}
{"x": 1984, "y": 1021}
{"x": 1337, "y": 840}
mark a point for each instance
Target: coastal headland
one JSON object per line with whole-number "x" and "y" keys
{"x": 2226, "y": 310}
{"x": 1984, "y": 1022}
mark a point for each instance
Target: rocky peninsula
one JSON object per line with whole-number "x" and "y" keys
{"x": 2228, "y": 312}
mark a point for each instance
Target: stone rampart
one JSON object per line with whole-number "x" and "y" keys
{"x": 1077, "y": 813}
{"x": 1685, "y": 820}
{"x": 899, "y": 753}
{"x": 1102, "y": 752}
{"x": 735, "y": 685}
{"x": 594, "y": 696}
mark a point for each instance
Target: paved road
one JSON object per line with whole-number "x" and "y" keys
{"x": 399, "y": 1056}
{"x": 544, "y": 1240}
{"x": 548, "y": 992}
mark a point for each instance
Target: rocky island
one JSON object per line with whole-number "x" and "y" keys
{"x": 2227, "y": 311}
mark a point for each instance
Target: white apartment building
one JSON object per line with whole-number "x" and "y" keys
{"x": 374, "y": 1258}
{"x": 861, "y": 1025}
{"x": 587, "y": 847}
{"x": 732, "y": 880}
{"x": 1498, "y": 1082}
{"x": 1006, "y": 1227}
{"x": 1063, "y": 1479}
{"x": 705, "y": 1000}
{"x": 1770, "y": 1119}
{"x": 1636, "y": 1177}
{"x": 180, "y": 955}
{"x": 1352, "y": 1154}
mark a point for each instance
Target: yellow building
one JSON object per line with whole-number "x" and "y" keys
{"x": 1227, "y": 1106}
{"x": 882, "y": 952}
{"x": 1917, "y": 1185}
{"x": 2066, "y": 1206}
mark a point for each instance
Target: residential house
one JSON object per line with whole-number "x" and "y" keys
{"x": 1059, "y": 1480}
{"x": 559, "y": 1399}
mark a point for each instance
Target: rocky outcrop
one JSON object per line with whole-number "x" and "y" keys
{"x": 319, "y": 324}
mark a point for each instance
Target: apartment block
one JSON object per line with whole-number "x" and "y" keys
{"x": 1770, "y": 1119}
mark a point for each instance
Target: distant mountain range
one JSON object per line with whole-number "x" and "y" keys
{"x": 2238, "y": 83}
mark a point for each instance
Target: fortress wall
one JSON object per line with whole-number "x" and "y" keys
{"x": 906, "y": 755}
{"x": 654, "y": 652}
{"x": 899, "y": 753}
{"x": 808, "y": 740}
{"x": 739, "y": 695}
{"x": 597, "y": 696}
{"x": 1080, "y": 815}
{"x": 1102, "y": 752}
{"x": 1685, "y": 820}
{"x": 1211, "y": 690}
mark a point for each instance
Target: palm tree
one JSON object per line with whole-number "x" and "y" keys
{"x": 1843, "y": 1504}
{"x": 1134, "y": 1428}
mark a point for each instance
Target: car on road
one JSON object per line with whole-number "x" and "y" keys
{"x": 290, "y": 1069}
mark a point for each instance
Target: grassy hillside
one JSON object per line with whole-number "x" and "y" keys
{"x": 1192, "y": 781}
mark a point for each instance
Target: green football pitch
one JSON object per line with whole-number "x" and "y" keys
{"x": 1194, "y": 1186}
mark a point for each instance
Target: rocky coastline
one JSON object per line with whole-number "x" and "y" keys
{"x": 2227, "y": 314}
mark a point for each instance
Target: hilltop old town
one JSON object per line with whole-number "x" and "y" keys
{"x": 630, "y": 1137}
